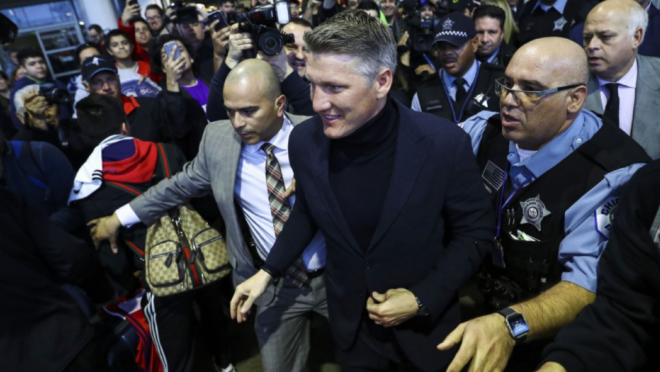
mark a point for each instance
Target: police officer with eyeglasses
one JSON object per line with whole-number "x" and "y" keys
{"x": 554, "y": 172}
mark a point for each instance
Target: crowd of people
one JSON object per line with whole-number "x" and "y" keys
{"x": 438, "y": 179}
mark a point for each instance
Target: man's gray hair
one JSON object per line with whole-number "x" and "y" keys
{"x": 639, "y": 18}
{"x": 355, "y": 33}
{"x": 19, "y": 97}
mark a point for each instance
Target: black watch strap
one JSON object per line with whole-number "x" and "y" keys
{"x": 508, "y": 314}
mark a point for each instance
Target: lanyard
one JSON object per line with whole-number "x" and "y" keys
{"x": 502, "y": 206}
{"x": 467, "y": 98}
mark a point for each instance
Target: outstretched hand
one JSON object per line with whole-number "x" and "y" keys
{"x": 105, "y": 228}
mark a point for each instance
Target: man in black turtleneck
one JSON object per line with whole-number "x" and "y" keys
{"x": 399, "y": 200}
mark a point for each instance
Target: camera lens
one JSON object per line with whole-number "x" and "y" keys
{"x": 271, "y": 43}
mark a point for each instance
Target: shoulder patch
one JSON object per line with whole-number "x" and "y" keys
{"x": 604, "y": 216}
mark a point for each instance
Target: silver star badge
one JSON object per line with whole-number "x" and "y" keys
{"x": 533, "y": 212}
{"x": 559, "y": 24}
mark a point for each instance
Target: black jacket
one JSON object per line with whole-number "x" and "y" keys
{"x": 43, "y": 328}
{"x": 435, "y": 229}
{"x": 620, "y": 331}
{"x": 293, "y": 87}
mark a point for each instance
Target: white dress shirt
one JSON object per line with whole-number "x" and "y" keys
{"x": 251, "y": 192}
{"x": 627, "y": 86}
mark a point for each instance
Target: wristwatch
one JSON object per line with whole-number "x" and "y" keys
{"x": 422, "y": 310}
{"x": 516, "y": 323}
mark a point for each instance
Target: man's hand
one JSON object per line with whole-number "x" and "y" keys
{"x": 291, "y": 190}
{"x": 279, "y": 63}
{"x": 238, "y": 42}
{"x": 130, "y": 13}
{"x": 246, "y": 293}
{"x": 425, "y": 68}
{"x": 35, "y": 108}
{"x": 392, "y": 308}
{"x": 485, "y": 340}
{"x": 220, "y": 39}
{"x": 403, "y": 41}
{"x": 552, "y": 367}
{"x": 174, "y": 70}
{"x": 105, "y": 228}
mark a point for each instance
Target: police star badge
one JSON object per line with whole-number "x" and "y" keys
{"x": 533, "y": 212}
{"x": 559, "y": 24}
{"x": 447, "y": 25}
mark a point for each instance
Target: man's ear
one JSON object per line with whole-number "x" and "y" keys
{"x": 280, "y": 102}
{"x": 576, "y": 98}
{"x": 125, "y": 129}
{"x": 637, "y": 37}
{"x": 86, "y": 85}
{"x": 383, "y": 83}
{"x": 475, "y": 44}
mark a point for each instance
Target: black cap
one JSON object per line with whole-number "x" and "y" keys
{"x": 456, "y": 29}
{"x": 93, "y": 65}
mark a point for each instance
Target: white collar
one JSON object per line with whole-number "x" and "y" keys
{"x": 628, "y": 80}
{"x": 280, "y": 141}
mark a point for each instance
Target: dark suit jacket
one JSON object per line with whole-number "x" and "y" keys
{"x": 435, "y": 229}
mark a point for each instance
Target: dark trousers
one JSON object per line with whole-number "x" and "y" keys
{"x": 172, "y": 324}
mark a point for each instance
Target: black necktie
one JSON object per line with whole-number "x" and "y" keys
{"x": 460, "y": 90}
{"x": 612, "y": 107}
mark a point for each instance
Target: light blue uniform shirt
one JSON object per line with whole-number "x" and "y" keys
{"x": 448, "y": 81}
{"x": 559, "y": 6}
{"x": 493, "y": 56}
{"x": 586, "y": 228}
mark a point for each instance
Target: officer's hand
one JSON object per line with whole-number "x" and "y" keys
{"x": 279, "y": 63}
{"x": 105, "y": 228}
{"x": 246, "y": 293}
{"x": 392, "y": 308}
{"x": 485, "y": 340}
{"x": 552, "y": 367}
{"x": 238, "y": 42}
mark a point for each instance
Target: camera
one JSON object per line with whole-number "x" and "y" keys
{"x": 260, "y": 23}
{"x": 422, "y": 32}
{"x": 53, "y": 94}
{"x": 185, "y": 14}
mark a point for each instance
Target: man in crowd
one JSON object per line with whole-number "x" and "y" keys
{"x": 120, "y": 46}
{"x": 36, "y": 73}
{"x": 227, "y": 6}
{"x": 404, "y": 228}
{"x": 167, "y": 118}
{"x": 489, "y": 24}
{"x": 294, "y": 51}
{"x": 461, "y": 77}
{"x": 125, "y": 23}
{"x": 154, "y": 16}
{"x": 623, "y": 85}
{"x": 542, "y": 18}
{"x": 95, "y": 34}
{"x": 244, "y": 162}
{"x": 47, "y": 331}
{"x": 554, "y": 172}
{"x": 389, "y": 8}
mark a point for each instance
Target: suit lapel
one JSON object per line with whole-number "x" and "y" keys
{"x": 410, "y": 154}
{"x": 593, "y": 102}
{"x": 647, "y": 102}
{"x": 321, "y": 176}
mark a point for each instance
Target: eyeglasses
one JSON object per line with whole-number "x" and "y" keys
{"x": 530, "y": 96}
{"x": 153, "y": 18}
{"x": 98, "y": 84}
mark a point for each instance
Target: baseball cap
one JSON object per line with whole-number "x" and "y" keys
{"x": 95, "y": 64}
{"x": 456, "y": 29}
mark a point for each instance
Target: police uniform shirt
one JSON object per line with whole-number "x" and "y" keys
{"x": 448, "y": 82}
{"x": 587, "y": 221}
{"x": 493, "y": 57}
{"x": 547, "y": 20}
{"x": 626, "y": 89}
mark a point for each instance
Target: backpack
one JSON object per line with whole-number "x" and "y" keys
{"x": 182, "y": 252}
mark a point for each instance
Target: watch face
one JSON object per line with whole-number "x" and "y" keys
{"x": 518, "y": 324}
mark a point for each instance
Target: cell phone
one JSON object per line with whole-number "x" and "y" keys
{"x": 168, "y": 50}
{"x": 217, "y": 16}
{"x": 132, "y": 2}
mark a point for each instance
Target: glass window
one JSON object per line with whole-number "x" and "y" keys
{"x": 41, "y": 15}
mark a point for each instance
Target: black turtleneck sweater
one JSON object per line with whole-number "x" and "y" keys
{"x": 361, "y": 166}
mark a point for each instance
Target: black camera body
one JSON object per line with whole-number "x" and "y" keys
{"x": 53, "y": 94}
{"x": 260, "y": 23}
{"x": 422, "y": 33}
{"x": 185, "y": 14}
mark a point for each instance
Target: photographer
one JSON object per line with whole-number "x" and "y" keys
{"x": 292, "y": 85}
{"x": 36, "y": 73}
{"x": 295, "y": 50}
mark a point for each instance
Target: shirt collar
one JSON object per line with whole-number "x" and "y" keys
{"x": 280, "y": 141}
{"x": 581, "y": 130}
{"x": 559, "y": 6}
{"x": 493, "y": 56}
{"x": 628, "y": 80}
{"x": 469, "y": 76}
{"x": 130, "y": 104}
